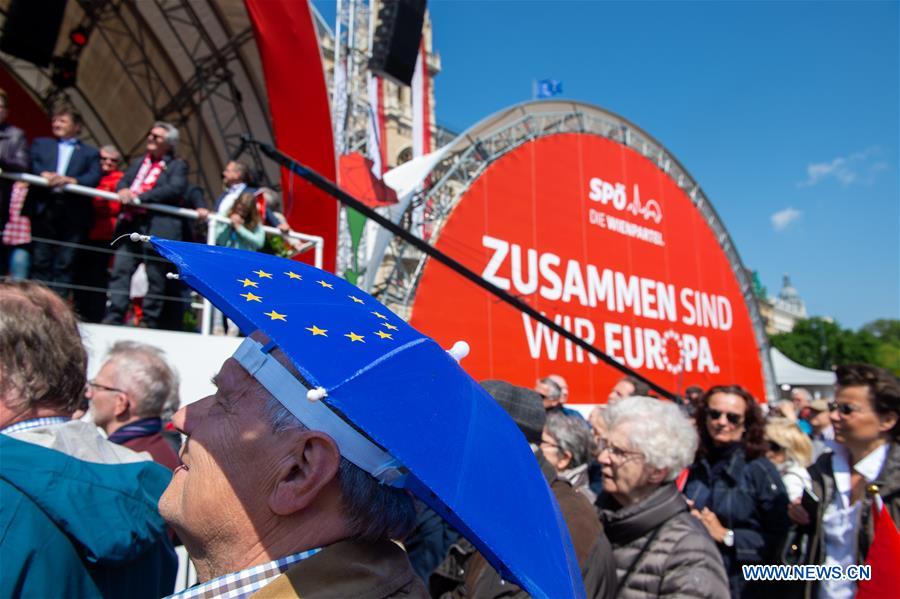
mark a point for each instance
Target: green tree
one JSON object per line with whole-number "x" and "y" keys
{"x": 887, "y": 333}
{"x": 886, "y": 329}
{"x": 820, "y": 343}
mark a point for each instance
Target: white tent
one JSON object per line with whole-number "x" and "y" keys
{"x": 788, "y": 372}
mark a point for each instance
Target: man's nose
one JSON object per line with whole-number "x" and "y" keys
{"x": 187, "y": 417}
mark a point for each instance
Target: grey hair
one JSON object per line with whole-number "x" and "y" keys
{"x": 374, "y": 511}
{"x": 803, "y": 393}
{"x": 144, "y": 373}
{"x": 172, "y": 135}
{"x": 555, "y": 389}
{"x": 273, "y": 198}
{"x": 658, "y": 429}
{"x": 111, "y": 149}
{"x": 571, "y": 436}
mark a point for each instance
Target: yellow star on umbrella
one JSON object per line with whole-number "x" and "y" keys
{"x": 383, "y": 335}
{"x": 248, "y": 283}
{"x": 293, "y": 275}
{"x": 262, "y": 274}
{"x": 251, "y": 297}
{"x": 389, "y": 326}
{"x": 379, "y": 315}
{"x": 324, "y": 284}
{"x": 276, "y": 316}
{"x": 355, "y": 299}
{"x": 354, "y": 337}
{"x": 317, "y": 331}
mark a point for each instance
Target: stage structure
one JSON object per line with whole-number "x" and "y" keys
{"x": 591, "y": 221}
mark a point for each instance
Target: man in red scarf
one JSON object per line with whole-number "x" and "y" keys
{"x": 157, "y": 177}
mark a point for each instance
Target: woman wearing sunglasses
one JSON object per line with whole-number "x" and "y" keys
{"x": 865, "y": 458}
{"x": 736, "y": 492}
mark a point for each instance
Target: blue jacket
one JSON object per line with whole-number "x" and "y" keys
{"x": 84, "y": 166}
{"x": 748, "y": 498}
{"x": 73, "y": 528}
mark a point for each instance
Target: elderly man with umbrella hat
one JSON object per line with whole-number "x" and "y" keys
{"x": 297, "y": 471}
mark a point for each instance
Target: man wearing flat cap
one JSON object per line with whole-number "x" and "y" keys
{"x": 465, "y": 572}
{"x": 268, "y": 507}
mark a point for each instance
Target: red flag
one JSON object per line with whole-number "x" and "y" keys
{"x": 883, "y": 557}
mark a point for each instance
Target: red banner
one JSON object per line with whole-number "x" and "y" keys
{"x": 298, "y": 102}
{"x": 603, "y": 242}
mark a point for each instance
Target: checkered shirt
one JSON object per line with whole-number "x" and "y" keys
{"x": 18, "y": 228}
{"x": 239, "y": 585}
{"x": 34, "y": 423}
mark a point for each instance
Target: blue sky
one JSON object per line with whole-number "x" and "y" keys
{"x": 786, "y": 113}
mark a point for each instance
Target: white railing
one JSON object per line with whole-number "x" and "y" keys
{"x": 308, "y": 241}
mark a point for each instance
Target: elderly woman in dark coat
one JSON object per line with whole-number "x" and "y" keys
{"x": 567, "y": 444}
{"x": 737, "y": 493}
{"x": 660, "y": 549}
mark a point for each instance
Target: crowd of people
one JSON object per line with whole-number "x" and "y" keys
{"x": 660, "y": 499}
{"x": 64, "y": 239}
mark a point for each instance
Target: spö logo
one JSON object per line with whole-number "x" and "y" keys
{"x": 606, "y": 192}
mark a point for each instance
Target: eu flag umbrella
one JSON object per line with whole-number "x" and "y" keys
{"x": 428, "y": 426}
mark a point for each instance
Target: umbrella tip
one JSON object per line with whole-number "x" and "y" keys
{"x": 459, "y": 350}
{"x": 135, "y": 237}
{"x": 316, "y": 394}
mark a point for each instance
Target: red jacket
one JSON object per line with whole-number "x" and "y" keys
{"x": 105, "y": 211}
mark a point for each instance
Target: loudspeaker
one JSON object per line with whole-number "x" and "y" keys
{"x": 395, "y": 46}
{"x": 31, "y": 29}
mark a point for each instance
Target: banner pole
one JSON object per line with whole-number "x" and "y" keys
{"x": 348, "y": 200}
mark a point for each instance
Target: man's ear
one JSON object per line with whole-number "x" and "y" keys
{"x": 123, "y": 404}
{"x": 565, "y": 458}
{"x": 304, "y": 472}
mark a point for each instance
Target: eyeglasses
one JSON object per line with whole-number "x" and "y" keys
{"x": 733, "y": 418}
{"x": 616, "y": 453}
{"x": 844, "y": 409}
{"x": 549, "y": 444}
{"x": 156, "y": 137}
{"x": 108, "y": 159}
{"x": 93, "y": 385}
{"x": 775, "y": 446}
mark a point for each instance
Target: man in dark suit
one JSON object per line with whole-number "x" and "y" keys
{"x": 157, "y": 177}
{"x": 55, "y": 215}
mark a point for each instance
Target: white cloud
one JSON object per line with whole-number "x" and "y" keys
{"x": 783, "y": 218}
{"x": 858, "y": 167}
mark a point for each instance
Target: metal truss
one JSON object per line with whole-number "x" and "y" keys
{"x": 192, "y": 84}
{"x": 403, "y": 264}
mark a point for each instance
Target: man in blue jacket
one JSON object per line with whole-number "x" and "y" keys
{"x": 62, "y": 217}
{"x": 78, "y": 514}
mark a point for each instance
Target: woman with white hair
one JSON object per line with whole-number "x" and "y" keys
{"x": 659, "y": 548}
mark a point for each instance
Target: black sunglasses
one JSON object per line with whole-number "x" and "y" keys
{"x": 845, "y": 409}
{"x": 775, "y": 446}
{"x": 734, "y": 419}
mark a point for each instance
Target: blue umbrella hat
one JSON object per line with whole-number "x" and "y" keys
{"x": 396, "y": 404}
